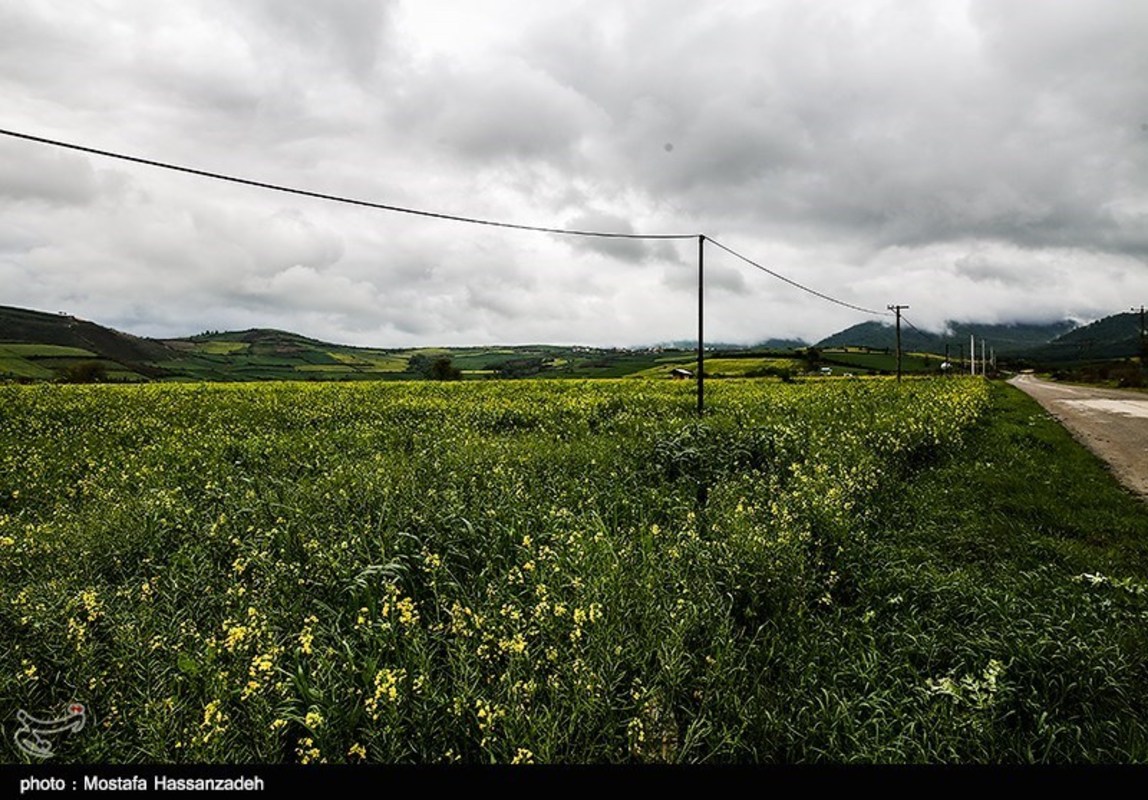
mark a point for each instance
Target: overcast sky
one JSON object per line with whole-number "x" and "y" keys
{"x": 981, "y": 161}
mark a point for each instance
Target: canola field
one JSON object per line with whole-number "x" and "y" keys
{"x": 533, "y": 571}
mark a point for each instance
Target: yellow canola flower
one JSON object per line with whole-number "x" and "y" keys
{"x": 408, "y": 611}
{"x": 522, "y": 756}
{"x": 306, "y": 750}
{"x": 234, "y": 636}
{"x": 307, "y": 635}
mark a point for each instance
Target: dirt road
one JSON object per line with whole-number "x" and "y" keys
{"x": 1111, "y": 423}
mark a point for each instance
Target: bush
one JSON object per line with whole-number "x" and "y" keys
{"x": 84, "y": 372}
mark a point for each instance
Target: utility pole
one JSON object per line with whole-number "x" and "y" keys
{"x": 701, "y": 327}
{"x": 982, "y": 358}
{"x": 972, "y": 355}
{"x": 1143, "y": 340}
{"x": 897, "y": 310}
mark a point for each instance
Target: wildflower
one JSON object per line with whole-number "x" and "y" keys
{"x": 386, "y": 690}
{"x": 408, "y": 613}
{"x": 306, "y": 750}
{"x": 214, "y": 721}
{"x": 307, "y": 635}
{"x": 278, "y": 724}
{"x": 515, "y": 645}
{"x": 357, "y": 751}
{"x": 313, "y": 720}
{"x": 522, "y": 756}
{"x": 235, "y": 636}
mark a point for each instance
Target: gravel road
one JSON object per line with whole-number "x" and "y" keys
{"x": 1112, "y": 423}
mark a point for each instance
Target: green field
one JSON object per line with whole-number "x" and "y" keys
{"x": 724, "y": 367}
{"x": 880, "y": 362}
{"x": 526, "y": 571}
{"x": 43, "y": 351}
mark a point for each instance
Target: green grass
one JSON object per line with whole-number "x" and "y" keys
{"x": 43, "y": 351}
{"x": 221, "y": 347}
{"x": 23, "y": 368}
{"x": 515, "y": 570}
{"x": 722, "y": 367}
{"x": 887, "y": 362}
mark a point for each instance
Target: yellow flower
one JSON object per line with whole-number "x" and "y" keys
{"x": 307, "y": 751}
{"x": 408, "y": 612}
{"x": 516, "y": 645}
{"x": 235, "y": 636}
{"x": 522, "y": 756}
{"x": 357, "y": 751}
{"x": 313, "y": 720}
{"x": 386, "y": 690}
{"x": 307, "y": 635}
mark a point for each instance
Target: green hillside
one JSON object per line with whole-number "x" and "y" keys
{"x": 1005, "y": 339}
{"x": 38, "y": 346}
{"x": 1117, "y": 336}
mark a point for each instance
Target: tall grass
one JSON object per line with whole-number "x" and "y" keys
{"x": 521, "y": 572}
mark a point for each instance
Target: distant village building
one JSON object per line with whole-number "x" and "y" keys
{"x": 679, "y": 374}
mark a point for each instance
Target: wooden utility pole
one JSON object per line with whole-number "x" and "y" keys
{"x": 897, "y": 310}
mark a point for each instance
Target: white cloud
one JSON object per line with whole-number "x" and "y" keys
{"x": 979, "y": 160}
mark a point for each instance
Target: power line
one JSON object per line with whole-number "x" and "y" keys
{"x": 911, "y": 325}
{"x": 794, "y": 283}
{"x": 432, "y": 214}
{"x": 348, "y": 200}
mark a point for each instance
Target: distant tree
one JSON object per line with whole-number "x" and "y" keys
{"x": 84, "y": 372}
{"x": 441, "y": 369}
{"x": 812, "y": 357}
{"x": 419, "y": 364}
{"x": 526, "y": 367}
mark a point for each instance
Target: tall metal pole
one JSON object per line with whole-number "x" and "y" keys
{"x": 982, "y": 357}
{"x": 897, "y": 311}
{"x": 972, "y": 355}
{"x": 701, "y": 325}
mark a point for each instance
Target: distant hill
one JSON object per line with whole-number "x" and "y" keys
{"x": 35, "y": 345}
{"x": 38, "y": 346}
{"x": 782, "y": 344}
{"x": 20, "y": 325}
{"x": 1117, "y": 336}
{"x": 1005, "y": 339}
